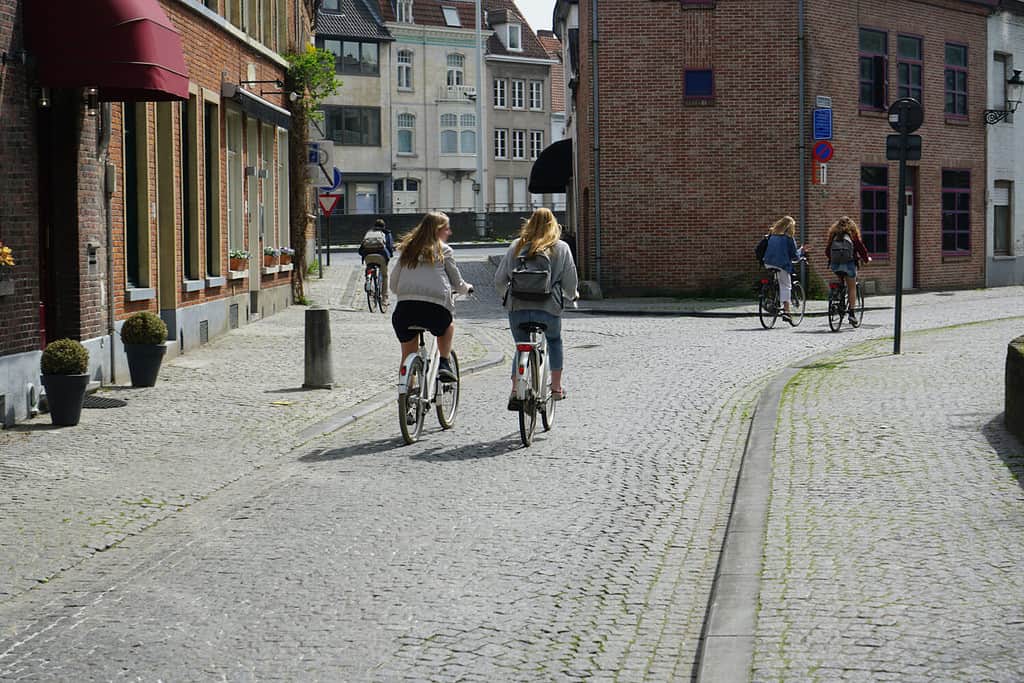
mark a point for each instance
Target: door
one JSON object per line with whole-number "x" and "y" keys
{"x": 519, "y": 195}
{"x": 366, "y": 198}
{"x": 908, "y": 230}
{"x": 407, "y": 195}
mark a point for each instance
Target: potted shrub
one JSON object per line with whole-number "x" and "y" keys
{"x": 270, "y": 256}
{"x": 64, "y": 366}
{"x": 238, "y": 259}
{"x": 286, "y": 255}
{"x": 144, "y": 336}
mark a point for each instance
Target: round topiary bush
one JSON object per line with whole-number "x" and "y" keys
{"x": 144, "y": 328}
{"x": 65, "y": 357}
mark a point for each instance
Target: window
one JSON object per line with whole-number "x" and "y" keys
{"x": 283, "y": 187}
{"x": 518, "y": 94}
{"x": 359, "y": 126}
{"x": 404, "y": 69}
{"x": 500, "y": 86}
{"x": 406, "y": 185}
{"x": 236, "y": 227}
{"x": 351, "y": 57}
{"x": 908, "y": 66}
{"x": 1004, "y": 72}
{"x": 456, "y": 63}
{"x": 268, "y": 183}
{"x": 536, "y": 143}
{"x": 501, "y": 143}
{"x": 501, "y": 193}
{"x": 188, "y": 139}
{"x": 1002, "y": 218}
{"x": 874, "y": 208}
{"x": 467, "y": 136}
{"x": 515, "y": 37}
{"x": 698, "y": 84}
{"x": 956, "y": 211}
{"x": 519, "y": 144}
{"x": 136, "y": 182}
{"x": 536, "y": 95}
{"x": 331, "y": 5}
{"x": 406, "y": 133}
{"x": 956, "y": 80}
{"x": 451, "y": 16}
{"x": 404, "y": 11}
{"x": 458, "y": 132}
{"x": 873, "y": 55}
{"x": 211, "y": 195}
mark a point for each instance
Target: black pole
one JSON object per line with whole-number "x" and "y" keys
{"x": 327, "y": 237}
{"x": 320, "y": 243}
{"x": 902, "y": 216}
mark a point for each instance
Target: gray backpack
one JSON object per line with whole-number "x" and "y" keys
{"x": 841, "y": 250}
{"x": 530, "y": 279}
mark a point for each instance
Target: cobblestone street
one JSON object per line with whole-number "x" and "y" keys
{"x": 222, "y": 526}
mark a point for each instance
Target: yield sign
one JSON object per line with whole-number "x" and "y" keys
{"x": 328, "y": 202}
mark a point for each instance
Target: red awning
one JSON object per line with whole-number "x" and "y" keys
{"x": 129, "y": 49}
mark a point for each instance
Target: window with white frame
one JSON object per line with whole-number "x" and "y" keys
{"x": 515, "y": 37}
{"x": 518, "y": 93}
{"x": 456, "y": 65}
{"x": 405, "y": 69}
{"x": 404, "y": 11}
{"x": 1002, "y": 218}
{"x": 449, "y": 133}
{"x": 536, "y": 95}
{"x": 536, "y": 143}
{"x": 406, "y": 133}
{"x": 501, "y": 143}
{"x": 467, "y": 133}
{"x": 519, "y": 144}
{"x": 500, "y": 88}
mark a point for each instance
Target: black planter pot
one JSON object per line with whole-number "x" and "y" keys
{"x": 65, "y": 394}
{"x": 144, "y": 362}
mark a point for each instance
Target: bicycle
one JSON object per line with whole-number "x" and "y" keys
{"x": 838, "y": 304}
{"x": 769, "y": 306}
{"x": 372, "y": 287}
{"x": 419, "y": 388}
{"x": 531, "y": 382}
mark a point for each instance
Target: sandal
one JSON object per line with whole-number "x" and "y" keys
{"x": 558, "y": 395}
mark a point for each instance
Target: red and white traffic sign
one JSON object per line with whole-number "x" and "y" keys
{"x": 822, "y": 151}
{"x": 328, "y": 202}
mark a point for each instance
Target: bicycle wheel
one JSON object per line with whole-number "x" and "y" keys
{"x": 528, "y": 409}
{"x": 411, "y": 405}
{"x": 382, "y": 302}
{"x": 369, "y": 292}
{"x": 448, "y": 397}
{"x": 797, "y": 304}
{"x": 836, "y": 308}
{"x": 860, "y": 306}
{"x": 547, "y": 408}
{"x": 767, "y": 307}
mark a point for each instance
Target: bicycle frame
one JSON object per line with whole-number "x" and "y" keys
{"x": 538, "y": 342}
{"x": 431, "y": 358}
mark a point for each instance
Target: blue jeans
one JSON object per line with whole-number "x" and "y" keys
{"x": 553, "y": 333}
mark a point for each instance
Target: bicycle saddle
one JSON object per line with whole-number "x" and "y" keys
{"x": 531, "y": 327}
{"x": 419, "y": 328}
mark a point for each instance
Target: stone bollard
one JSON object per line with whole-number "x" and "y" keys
{"x": 1015, "y": 387}
{"x": 319, "y": 374}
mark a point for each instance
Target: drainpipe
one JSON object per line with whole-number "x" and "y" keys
{"x": 109, "y": 181}
{"x": 802, "y": 47}
{"x": 597, "y": 144}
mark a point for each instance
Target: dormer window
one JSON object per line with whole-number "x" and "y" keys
{"x": 515, "y": 37}
{"x": 403, "y": 11}
{"x": 451, "y": 16}
{"x": 331, "y": 5}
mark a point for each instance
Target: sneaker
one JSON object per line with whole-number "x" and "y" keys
{"x": 853, "y": 319}
{"x": 787, "y": 318}
{"x": 514, "y": 403}
{"x": 445, "y": 372}
{"x": 410, "y": 416}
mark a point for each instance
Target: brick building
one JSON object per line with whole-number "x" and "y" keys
{"x": 141, "y": 142}
{"x": 698, "y": 127}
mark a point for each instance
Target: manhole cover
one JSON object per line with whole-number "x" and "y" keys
{"x": 103, "y": 402}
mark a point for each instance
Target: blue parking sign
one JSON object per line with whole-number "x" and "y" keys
{"x": 822, "y": 119}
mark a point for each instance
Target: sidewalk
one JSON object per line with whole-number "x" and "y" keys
{"x": 878, "y": 528}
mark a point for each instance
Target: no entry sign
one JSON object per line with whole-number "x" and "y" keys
{"x": 822, "y": 151}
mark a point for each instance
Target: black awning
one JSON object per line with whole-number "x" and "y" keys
{"x": 553, "y": 168}
{"x": 257, "y": 107}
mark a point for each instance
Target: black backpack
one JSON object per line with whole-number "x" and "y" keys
{"x": 841, "y": 250}
{"x": 530, "y": 279}
{"x": 761, "y": 247}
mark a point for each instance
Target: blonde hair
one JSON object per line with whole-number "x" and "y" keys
{"x": 845, "y": 224}
{"x": 422, "y": 242}
{"x": 541, "y": 231}
{"x": 784, "y": 226}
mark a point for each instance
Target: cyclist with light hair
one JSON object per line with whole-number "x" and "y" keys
{"x": 779, "y": 256}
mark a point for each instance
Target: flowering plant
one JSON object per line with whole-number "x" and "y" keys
{"x": 238, "y": 253}
{"x": 270, "y": 251}
{"x": 6, "y": 256}
{"x": 287, "y": 251}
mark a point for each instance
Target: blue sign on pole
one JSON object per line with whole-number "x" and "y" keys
{"x": 822, "y": 119}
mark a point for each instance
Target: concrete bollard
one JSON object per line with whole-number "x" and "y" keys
{"x": 1015, "y": 387}
{"x": 319, "y": 373}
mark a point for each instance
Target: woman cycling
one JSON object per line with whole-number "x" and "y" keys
{"x": 849, "y": 249}
{"x": 779, "y": 256}
{"x": 540, "y": 235}
{"x": 425, "y": 280}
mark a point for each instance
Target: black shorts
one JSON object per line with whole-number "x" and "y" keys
{"x": 434, "y": 317}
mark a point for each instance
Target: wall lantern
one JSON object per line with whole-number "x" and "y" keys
{"x": 92, "y": 101}
{"x": 1013, "y": 98}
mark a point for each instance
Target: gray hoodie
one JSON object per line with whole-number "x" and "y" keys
{"x": 563, "y": 278}
{"x": 436, "y": 283}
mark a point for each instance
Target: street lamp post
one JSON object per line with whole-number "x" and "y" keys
{"x": 478, "y": 186}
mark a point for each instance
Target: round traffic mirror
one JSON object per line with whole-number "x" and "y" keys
{"x": 906, "y": 115}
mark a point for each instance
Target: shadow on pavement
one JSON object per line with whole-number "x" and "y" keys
{"x": 477, "y": 451}
{"x": 377, "y": 447}
{"x": 1006, "y": 446}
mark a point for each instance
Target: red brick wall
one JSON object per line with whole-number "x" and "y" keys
{"x": 687, "y": 188}
{"x": 19, "y": 214}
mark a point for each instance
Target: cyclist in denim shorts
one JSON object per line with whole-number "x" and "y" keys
{"x": 846, "y": 229}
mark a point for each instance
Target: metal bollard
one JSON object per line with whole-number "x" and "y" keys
{"x": 319, "y": 373}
